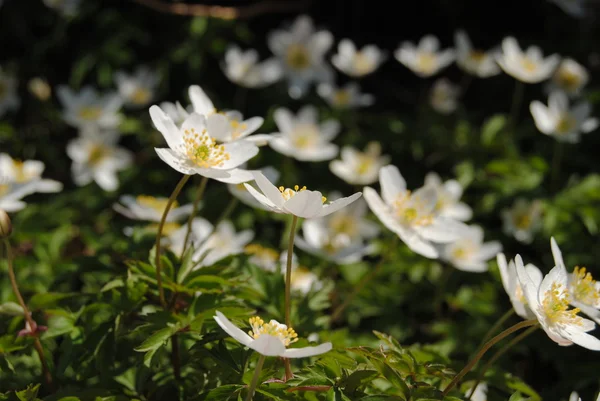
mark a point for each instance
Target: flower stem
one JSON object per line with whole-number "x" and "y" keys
{"x": 288, "y": 272}
{"x": 499, "y": 353}
{"x": 496, "y": 326}
{"x": 254, "y": 382}
{"x": 483, "y": 350}
{"x": 27, "y": 314}
{"x": 199, "y": 194}
{"x": 176, "y": 191}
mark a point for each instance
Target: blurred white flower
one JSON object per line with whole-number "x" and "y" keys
{"x": 301, "y": 52}
{"x": 469, "y": 253}
{"x": 240, "y": 192}
{"x": 176, "y": 111}
{"x": 570, "y": 77}
{"x": 575, "y": 8}
{"x": 243, "y": 68}
{"x": 27, "y": 172}
{"x": 444, "y": 96}
{"x": 359, "y": 168}
{"x": 96, "y": 157}
{"x": 476, "y": 62}
{"x": 68, "y": 8}
{"x": 564, "y": 123}
{"x": 138, "y": 89}
{"x": 302, "y": 137}
{"x": 522, "y": 220}
{"x": 269, "y": 339}
{"x": 9, "y": 99}
{"x": 263, "y": 257}
{"x": 303, "y": 280}
{"x": 299, "y": 202}
{"x": 149, "y": 208}
{"x": 412, "y": 216}
{"x": 425, "y": 59}
{"x": 357, "y": 63}
{"x": 575, "y": 397}
{"x": 87, "y": 108}
{"x": 448, "y": 198}
{"x": 346, "y": 97}
{"x": 512, "y": 286}
{"x": 175, "y": 234}
{"x": 528, "y": 66}
{"x": 223, "y": 242}
{"x": 11, "y": 194}
{"x": 39, "y": 88}
{"x": 479, "y": 393}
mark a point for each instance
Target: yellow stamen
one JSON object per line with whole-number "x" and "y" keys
{"x": 362, "y": 64}
{"x": 341, "y": 223}
{"x": 90, "y": 113}
{"x": 567, "y": 79}
{"x": 262, "y": 252}
{"x": 168, "y": 229}
{"x": 288, "y": 193}
{"x": 408, "y": 210}
{"x": 341, "y": 97}
{"x": 529, "y": 65}
{"x": 297, "y": 57}
{"x": 141, "y": 96}
{"x": 97, "y": 153}
{"x": 522, "y": 221}
{"x": 203, "y": 150}
{"x": 426, "y": 62}
{"x": 477, "y": 56}
{"x": 583, "y": 287}
{"x": 305, "y": 136}
{"x": 556, "y": 306}
{"x": 157, "y": 204}
{"x": 566, "y": 124}
{"x": 286, "y": 335}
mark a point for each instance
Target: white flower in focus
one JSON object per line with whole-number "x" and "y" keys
{"x": 359, "y": 168}
{"x": 510, "y": 282}
{"x": 87, "y": 108}
{"x": 575, "y": 8}
{"x": 223, "y": 242}
{"x": 240, "y": 192}
{"x": 476, "y": 62}
{"x": 444, "y": 96}
{"x": 263, "y": 257}
{"x": 68, "y": 8}
{"x": 564, "y": 123}
{"x": 176, "y": 234}
{"x": 346, "y": 97}
{"x": 9, "y": 99}
{"x": 570, "y": 77}
{"x": 301, "y": 52}
{"x": 479, "y": 393}
{"x": 412, "y": 216}
{"x": 302, "y": 137}
{"x": 149, "y": 208}
{"x": 425, "y": 59}
{"x": 269, "y": 339}
{"x": 137, "y": 89}
{"x": 27, "y": 172}
{"x": 469, "y": 253}
{"x": 176, "y": 111}
{"x": 192, "y": 149}
{"x": 299, "y": 202}
{"x": 96, "y": 157}
{"x": 528, "y": 66}
{"x": 357, "y": 63}
{"x": 522, "y": 220}
{"x": 243, "y": 68}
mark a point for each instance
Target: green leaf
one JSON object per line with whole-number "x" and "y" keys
{"x": 157, "y": 339}
{"x": 29, "y": 394}
{"x": 48, "y": 299}
{"x": 12, "y": 309}
{"x": 224, "y": 393}
{"x": 491, "y": 127}
{"x": 358, "y": 379}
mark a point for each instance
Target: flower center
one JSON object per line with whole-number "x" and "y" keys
{"x": 341, "y": 97}
{"x": 19, "y": 170}
{"x": 90, "y": 113}
{"x": 568, "y": 79}
{"x": 341, "y": 223}
{"x": 477, "y": 56}
{"x": 566, "y": 124}
{"x": 556, "y": 307}
{"x": 364, "y": 164}
{"x": 289, "y": 193}
{"x": 237, "y": 128}
{"x": 298, "y": 57}
{"x": 97, "y": 154}
{"x": 362, "y": 64}
{"x": 203, "y": 150}
{"x": 426, "y": 61}
{"x": 410, "y": 210}
{"x": 267, "y": 254}
{"x": 522, "y": 221}
{"x": 462, "y": 252}
{"x": 157, "y": 204}
{"x": 529, "y": 65}
{"x": 273, "y": 328}
{"x": 305, "y": 136}
{"x": 141, "y": 96}
{"x": 583, "y": 287}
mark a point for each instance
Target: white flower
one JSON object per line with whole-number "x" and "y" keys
{"x": 9, "y": 99}
{"x": 357, "y": 63}
{"x": 476, "y": 62}
{"x": 522, "y": 220}
{"x": 223, "y": 242}
{"x": 479, "y": 394}
{"x": 570, "y": 77}
{"x": 512, "y": 286}
{"x": 411, "y": 216}
{"x": 149, "y": 208}
{"x": 303, "y": 280}
{"x": 448, "y": 198}
{"x": 425, "y": 59}
{"x": 88, "y": 109}
{"x": 243, "y": 68}
{"x": 444, "y": 96}
{"x": 469, "y": 253}
{"x": 68, "y": 8}
{"x": 575, "y": 8}
{"x": 352, "y": 221}
{"x": 192, "y": 149}
{"x": 346, "y": 97}
{"x": 529, "y": 66}
{"x": 269, "y": 339}
{"x": 96, "y": 157}
{"x": 263, "y": 257}
{"x": 176, "y": 111}
{"x": 549, "y": 301}
{"x": 240, "y": 192}
{"x": 299, "y": 202}
{"x": 39, "y": 88}
{"x": 564, "y": 123}
{"x": 138, "y": 89}
{"x": 11, "y": 194}
{"x": 302, "y": 137}
{"x": 176, "y": 235}
{"x": 301, "y": 52}
{"x": 27, "y": 172}
{"x": 359, "y": 168}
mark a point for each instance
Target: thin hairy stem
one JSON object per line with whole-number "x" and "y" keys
{"x": 254, "y": 382}
{"x": 197, "y": 199}
{"x": 288, "y": 289}
{"x": 496, "y": 326}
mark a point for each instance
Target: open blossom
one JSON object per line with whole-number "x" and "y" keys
{"x": 269, "y": 339}
{"x": 9, "y": 99}
{"x": 512, "y": 286}
{"x": 528, "y": 66}
{"x": 176, "y": 234}
{"x": 476, "y": 62}
{"x": 444, "y": 96}
{"x": 11, "y": 194}
{"x": 469, "y": 252}
{"x": 448, "y": 195}
{"x": 425, "y": 59}
{"x": 570, "y": 77}
{"x": 301, "y": 52}
{"x": 27, "y": 172}
{"x": 263, "y": 257}
{"x": 149, "y": 208}
{"x": 302, "y": 137}
{"x": 345, "y": 97}
{"x": 87, "y": 108}
{"x": 303, "y": 280}
{"x": 410, "y": 215}
{"x": 241, "y": 193}
{"x": 223, "y": 242}
{"x": 357, "y": 63}
{"x": 359, "y": 168}
{"x": 243, "y": 68}
{"x": 139, "y": 88}
{"x": 564, "y": 123}
{"x": 192, "y": 149}
{"x": 299, "y": 202}
{"x": 522, "y": 220}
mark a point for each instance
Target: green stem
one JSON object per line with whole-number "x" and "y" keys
{"x": 254, "y": 382}
{"x": 556, "y": 162}
{"x": 176, "y": 191}
{"x": 483, "y": 350}
{"x": 199, "y": 194}
{"x": 175, "y": 357}
{"x": 498, "y": 354}
{"x": 496, "y": 326}
{"x": 288, "y": 272}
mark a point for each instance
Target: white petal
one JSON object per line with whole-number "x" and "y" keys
{"x": 239, "y": 152}
{"x": 201, "y": 102}
{"x": 268, "y": 189}
{"x": 233, "y": 330}
{"x": 338, "y": 204}
{"x": 392, "y": 183}
{"x": 306, "y": 204}
{"x": 530, "y": 289}
{"x": 307, "y": 351}
{"x": 489, "y": 250}
{"x": 284, "y": 120}
{"x": 268, "y": 345}
{"x": 544, "y": 120}
{"x": 176, "y": 161}
{"x": 167, "y": 128}
{"x": 582, "y": 339}
{"x": 263, "y": 200}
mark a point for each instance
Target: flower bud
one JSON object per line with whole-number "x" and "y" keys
{"x": 5, "y": 225}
